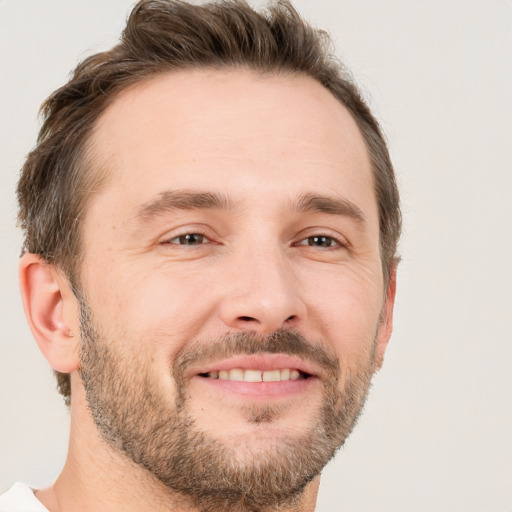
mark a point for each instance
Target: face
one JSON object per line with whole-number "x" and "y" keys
{"x": 233, "y": 293}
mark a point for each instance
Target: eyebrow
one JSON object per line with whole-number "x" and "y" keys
{"x": 172, "y": 200}
{"x": 331, "y": 205}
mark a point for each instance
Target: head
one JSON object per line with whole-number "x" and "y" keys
{"x": 251, "y": 63}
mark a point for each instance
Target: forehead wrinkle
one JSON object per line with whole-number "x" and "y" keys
{"x": 172, "y": 200}
{"x": 332, "y": 205}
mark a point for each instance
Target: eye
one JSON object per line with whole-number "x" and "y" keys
{"x": 189, "y": 239}
{"x": 322, "y": 241}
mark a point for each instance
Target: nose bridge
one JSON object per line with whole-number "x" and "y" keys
{"x": 264, "y": 294}
{"x": 270, "y": 277}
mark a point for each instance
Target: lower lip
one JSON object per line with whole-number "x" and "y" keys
{"x": 276, "y": 389}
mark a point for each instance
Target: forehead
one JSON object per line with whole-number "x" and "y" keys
{"x": 231, "y": 130}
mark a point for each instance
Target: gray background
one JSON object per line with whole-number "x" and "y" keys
{"x": 437, "y": 431}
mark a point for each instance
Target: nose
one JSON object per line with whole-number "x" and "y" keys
{"x": 263, "y": 295}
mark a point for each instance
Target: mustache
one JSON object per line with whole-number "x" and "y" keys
{"x": 283, "y": 341}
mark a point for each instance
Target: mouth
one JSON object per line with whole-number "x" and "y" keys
{"x": 255, "y": 375}
{"x": 259, "y": 375}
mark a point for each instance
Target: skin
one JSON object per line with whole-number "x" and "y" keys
{"x": 262, "y": 142}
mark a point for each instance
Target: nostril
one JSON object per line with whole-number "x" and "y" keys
{"x": 252, "y": 319}
{"x": 247, "y": 318}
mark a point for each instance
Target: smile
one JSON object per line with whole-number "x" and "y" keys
{"x": 255, "y": 375}
{"x": 261, "y": 376}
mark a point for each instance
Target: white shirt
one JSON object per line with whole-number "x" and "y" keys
{"x": 20, "y": 498}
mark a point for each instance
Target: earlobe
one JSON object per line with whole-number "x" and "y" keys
{"x": 50, "y": 307}
{"x": 386, "y": 321}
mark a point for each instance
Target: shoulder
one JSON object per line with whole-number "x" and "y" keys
{"x": 20, "y": 498}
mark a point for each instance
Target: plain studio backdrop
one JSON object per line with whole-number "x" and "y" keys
{"x": 436, "y": 434}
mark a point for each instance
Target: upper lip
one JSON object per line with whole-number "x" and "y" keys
{"x": 262, "y": 362}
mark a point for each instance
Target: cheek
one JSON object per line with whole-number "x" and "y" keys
{"x": 160, "y": 310}
{"x": 346, "y": 309}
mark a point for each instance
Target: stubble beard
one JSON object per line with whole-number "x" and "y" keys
{"x": 135, "y": 420}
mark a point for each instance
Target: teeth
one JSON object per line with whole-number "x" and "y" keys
{"x": 285, "y": 374}
{"x": 238, "y": 374}
{"x": 294, "y": 374}
{"x": 272, "y": 376}
{"x": 251, "y": 375}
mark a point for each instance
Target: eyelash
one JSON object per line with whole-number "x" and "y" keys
{"x": 334, "y": 243}
{"x": 184, "y": 236}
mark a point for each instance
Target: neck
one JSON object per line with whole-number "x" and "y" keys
{"x": 97, "y": 477}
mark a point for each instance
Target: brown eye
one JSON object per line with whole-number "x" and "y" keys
{"x": 189, "y": 239}
{"x": 320, "y": 241}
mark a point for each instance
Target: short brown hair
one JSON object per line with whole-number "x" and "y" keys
{"x": 57, "y": 181}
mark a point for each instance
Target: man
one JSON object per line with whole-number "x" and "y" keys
{"x": 211, "y": 220}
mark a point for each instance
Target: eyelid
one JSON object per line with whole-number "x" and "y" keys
{"x": 172, "y": 240}
{"x": 323, "y": 232}
{"x": 171, "y": 235}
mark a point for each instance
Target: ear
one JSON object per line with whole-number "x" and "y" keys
{"x": 386, "y": 320}
{"x": 51, "y": 309}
